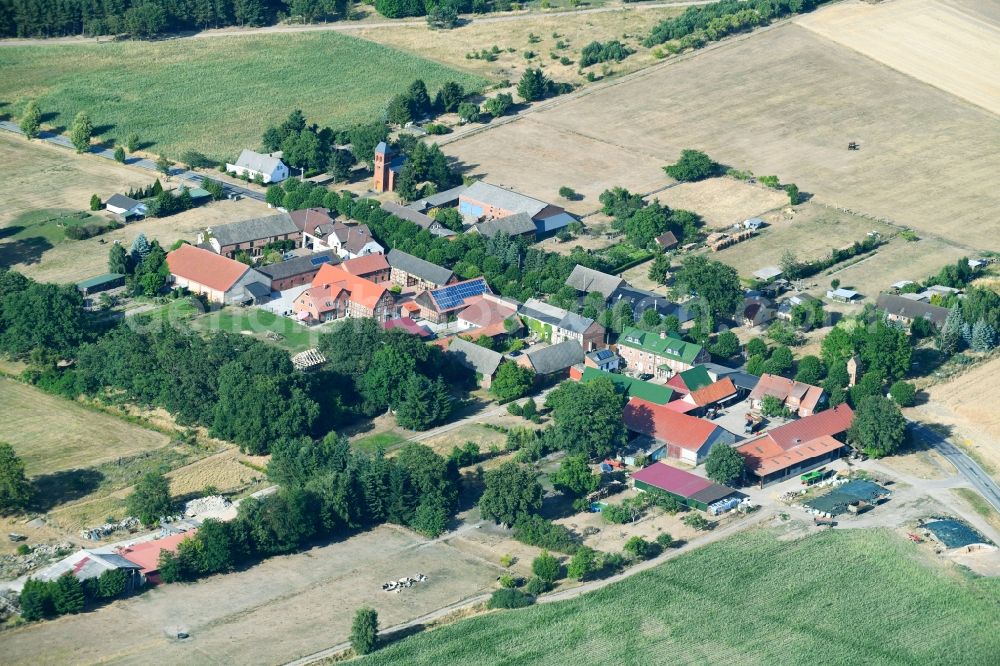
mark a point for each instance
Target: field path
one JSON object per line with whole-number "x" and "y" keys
{"x": 363, "y": 25}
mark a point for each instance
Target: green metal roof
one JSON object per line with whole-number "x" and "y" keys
{"x": 696, "y": 378}
{"x": 99, "y": 280}
{"x": 670, "y": 346}
{"x": 632, "y": 388}
{"x": 199, "y": 193}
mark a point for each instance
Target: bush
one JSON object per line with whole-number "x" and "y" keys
{"x": 507, "y": 581}
{"x": 903, "y": 393}
{"x": 95, "y": 202}
{"x": 509, "y": 599}
{"x": 595, "y": 52}
{"x": 364, "y": 631}
{"x": 546, "y": 567}
{"x": 507, "y": 560}
{"x": 664, "y": 540}
{"x": 696, "y": 521}
{"x": 641, "y": 549}
{"x": 567, "y": 193}
{"x": 537, "y": 531}
{"x": 536, "y": 586}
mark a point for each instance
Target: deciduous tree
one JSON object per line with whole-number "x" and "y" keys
{"x": 879, "y": 428}
{"x": 151, "y": 498}
{"x": 724, "y": 465}
{"x": 15, "y": 489}
{"x": 511, "y": 491}
{"x": 80, "y": 132}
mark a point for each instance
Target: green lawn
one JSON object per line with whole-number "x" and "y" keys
{"x": 235, "y": 319}
{"x": 213, "y": 95}
{"x": 383, "y": 440}
{"x": 48, "y": 223}
{"x": 836, "y": 597}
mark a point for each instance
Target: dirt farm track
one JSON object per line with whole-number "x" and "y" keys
{"x": 783, "y": 101}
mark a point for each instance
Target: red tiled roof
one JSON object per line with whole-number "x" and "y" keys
{"x": 671, "y": 479}
{"x": 407, "y": 325}
{"x": 712, "y": 393}
{"x": 205, "y": 267}
{"x": 827, "y": 423}
{"x": 783, "y": 388}
{"x": 667, "y": 425}
{"x": 366, "y": 265}
{"x": 362, "y": 291}
{"x": 765, "y": 457}
{"x": 147, "y": 553}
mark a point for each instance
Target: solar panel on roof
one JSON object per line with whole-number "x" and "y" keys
{"x": 454, "y": 295}
{"x": 317, "y": 261}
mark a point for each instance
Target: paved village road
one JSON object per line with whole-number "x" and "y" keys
{"x": 965, "y": 465}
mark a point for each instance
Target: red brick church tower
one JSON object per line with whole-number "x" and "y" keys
{"x": 385, "y": 176}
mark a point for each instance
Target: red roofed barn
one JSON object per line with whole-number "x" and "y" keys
{"x": 798, "y": 446}
{"x": 220, "y": 279}
{"x": 673, "y": 434}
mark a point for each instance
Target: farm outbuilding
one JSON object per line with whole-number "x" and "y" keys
{"x": 687, "y": 488}
{"x": 101, "y": 283}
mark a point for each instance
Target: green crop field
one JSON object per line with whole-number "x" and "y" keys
{"x": 213, "y": 95}
{"x": 836, "y": 597}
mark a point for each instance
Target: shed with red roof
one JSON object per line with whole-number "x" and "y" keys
{"x": 147, "y": 554}
{"x": 687, "y": 488}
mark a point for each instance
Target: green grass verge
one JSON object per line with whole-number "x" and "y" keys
{"x": 213, "y": 95}
{"x": 385, "y": 440}
{"x": 836, "y": 597}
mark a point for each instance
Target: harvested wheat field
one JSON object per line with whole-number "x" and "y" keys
{"x": 49, "y": 177}
{"x": 934, "y": 41}
{"x": 781, "y": 101}
{"x": 968, "y": 405}
{"x": 723, "y": 202}
{"x": 52, "y": 434}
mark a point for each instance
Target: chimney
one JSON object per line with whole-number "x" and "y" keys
{"x": 663, "y": 335}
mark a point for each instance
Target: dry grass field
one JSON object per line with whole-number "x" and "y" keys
{"x": 629, "y": 25}
{"x": 810, "y": 231}
{"x": 781, "y": 101}
{"x": 933, "y": 41}
{"x": 966, "y": 404}
{"x": 223, "y": 471}
{"x": 280, "y": 609}
{"x": 52, "y": 434}
{"x": 49, "y": 177}
{"x": 899, "y": 260}
{"x": 723, "y": 202}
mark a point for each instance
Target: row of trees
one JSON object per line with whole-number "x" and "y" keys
{"x": 707, "y": 23}
{"x": 149, "y": 18}
{"x": 328, "y": 491}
